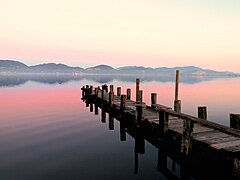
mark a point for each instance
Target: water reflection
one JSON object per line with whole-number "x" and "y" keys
{"x": 46, "y": 131}
{"x": 170, "y": 162}
{"x": 221, "y": 96}
{"x": 15, "y": 80}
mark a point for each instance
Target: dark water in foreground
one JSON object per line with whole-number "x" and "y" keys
{"x": 47, "y": 132}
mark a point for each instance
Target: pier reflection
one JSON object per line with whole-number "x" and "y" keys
{"x": 170, "y": 162}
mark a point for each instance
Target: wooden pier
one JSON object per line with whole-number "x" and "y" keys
{"x": 186, "y": 134}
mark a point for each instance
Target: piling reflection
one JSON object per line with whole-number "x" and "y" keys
{"x": 91, "y": 107}
{"x": 139, "y": 147}
{"x": 103, "y": 116}
{"x": 170, "y": 161}
{"x": 122, "y": 130}
{"x": 95, "y": 109}
{"x": 111, "y": 122}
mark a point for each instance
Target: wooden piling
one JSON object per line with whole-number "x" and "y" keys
{"x": 111, "y": 88}
{"x": 105, "y": 87}
{"x": 177, "y": 102}
{"x": 202, "y": 112}
{"x": 99, "y": 93}
{"x": 128, "y": 93}
{"x": 137, "y": 90}
{"x": 163, "y": 122}
{"x": 111, "y": 98}
{"x": 118, "y": 91}
{"x": 83, "y": 91}
{"x": 103, "y": 95}
{"x": 236, "y": 167}
{"x": 176, "y": 85}
{"x": 177, "y": 106}
{"x": 153, "y": 99}
{"x": 96, "y": 92}
{"x": 140, "y": 96}
{"x": 186, "y": 145}
{"x": 123, "y": 102}
{"x": 87, "y": 90}
{"x": 235, "y": 121}
{"x": 91, "y": 90}
{"x": 140, "y": 112}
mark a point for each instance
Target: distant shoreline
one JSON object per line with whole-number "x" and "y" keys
{"x": 111, "y": 74}
{"x": 16, "y": 67}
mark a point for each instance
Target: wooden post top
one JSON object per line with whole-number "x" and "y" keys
{"x": 176, "y": 85}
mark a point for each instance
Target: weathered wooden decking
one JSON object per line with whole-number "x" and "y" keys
{"x": 212, "y": 134}
{"x": 191, "y": 129}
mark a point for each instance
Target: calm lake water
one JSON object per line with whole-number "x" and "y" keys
{"x": 47, "y": 132}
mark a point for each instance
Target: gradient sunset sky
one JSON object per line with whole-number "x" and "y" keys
{"x": 153, "y": 33}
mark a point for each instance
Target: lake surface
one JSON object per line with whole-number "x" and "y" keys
{"x": 47, "y": 132}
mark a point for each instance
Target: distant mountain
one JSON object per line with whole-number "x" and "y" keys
{"x": 55, "y": 68}
{"x": 187, "y": 70}
{"x": 134, "y": 69}
{"x": 19, "y": 67}
{"x": 12, "y": 66}
{"x": 101, "y": 67}
{"x": 9, "y": 66}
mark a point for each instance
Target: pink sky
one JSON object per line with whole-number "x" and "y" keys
{"x": 149, "y": 33}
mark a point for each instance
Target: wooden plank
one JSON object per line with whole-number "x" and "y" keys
{"x": 149, "y": 118}
{"x": 117, "y": 100}
{"x": 198, "y": 128}
{"x": 159, "y": 106}
{"x": 177, "y": 129}
{"x": 174, "y": 118}
{"x": 205, "y": 123}
{"x": 173, "y": 123}
{"x": 130, "y": 104}
{"x": 217, "y": 136}
{"x": 203, "y": 130}
{"x": 221, "y": 140}
{"x": 209, "y": 135}
{"x": 117, "y": 103}
{"x": 233, "y": 148}
{"x": 131, "y": 107}
{"x": 129, "y": 111}
{"x": 155, "y": 121}
{"x": 226, "y": 144}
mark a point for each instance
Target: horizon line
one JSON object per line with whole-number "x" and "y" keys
{"x": 115, "y": 67}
